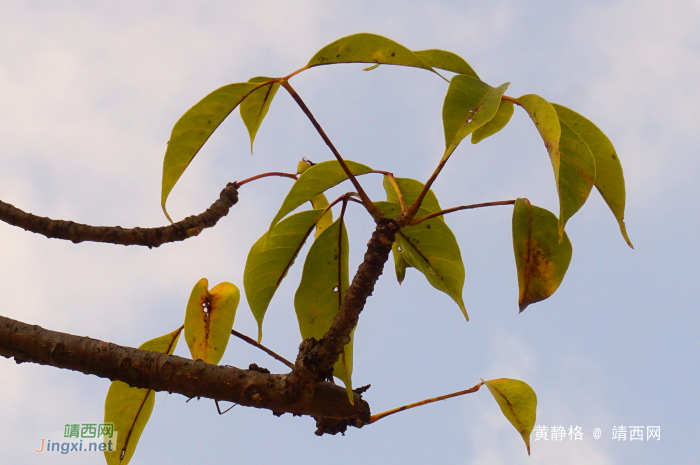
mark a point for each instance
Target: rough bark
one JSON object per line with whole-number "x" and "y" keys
{"x": 161, "y": 372}
{"x": 149, "y": 237}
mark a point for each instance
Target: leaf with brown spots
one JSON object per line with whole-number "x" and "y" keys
{"x": 209, "y": 319}
{"x": 518, "y": 403}
{"x": 572, "y": 160}
{"x": 608, "y": 178}
{"x": 129, "y": 408}
{"x": 540, "y": 258}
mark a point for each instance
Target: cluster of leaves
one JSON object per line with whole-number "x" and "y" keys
{"x": 581, "y": 156}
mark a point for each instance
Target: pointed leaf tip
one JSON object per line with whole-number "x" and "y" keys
{"x": 518, "y": 402}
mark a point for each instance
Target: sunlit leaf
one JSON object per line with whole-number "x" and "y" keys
{"x": 432, "y": 249}
{"x": 410, "y": 189}
{"x": 608, "y": 178}
{"x": 518, "y": 403}
{"x": 194, "y": 128}
{"x": 316, "y": 180}
{"x": 255, "y": 106}
{"x": 540, "y": 258}
{"x": 271, "y": 257}
{"x": 446, "y": 60}
{"x": 324, "y": 282}
{"x": 469, "y": 104}
{"x": 209, "y": 319}
{"x": 367, "y": 48}
{"x": 321, "y": 202}
{"x": 572, "y": 160}
{"x": 129, "y": 408}
{"x": 498, "y": 122}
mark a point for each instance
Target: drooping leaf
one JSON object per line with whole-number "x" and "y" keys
{"x": 446, "y": 60}
{"x": 410, "y": 189}
{"x": 469, "y": 104}
{"x": 518, "y": 403}
{"x": 271, "y": 257}
{"x": 194, "y": 128}
{"x": 498, "y": 122}
{"x": 572, "y": 160}
{"x": 367, "y": 48}
{"x": 209, "y": 319}
{"x": 255, "y": 106}
{"x": 324, "y": 282}
{"x": 432, "y": 249}
{"x": 609, "y": 179}
{"x": 129, "y": 408}
{"x": 540, "y": 258}
{"x": 316, "y": 180}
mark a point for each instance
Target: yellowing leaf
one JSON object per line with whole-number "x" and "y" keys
{"x": 518, "y": 403}
{"x": 498, "y": 122}
{"x": 316, "y": 180}
{"x": 255, "y": 106}
{"x": 194, "y": 128}
{"x": 324, "y": 282}
{"x": 572, "y": 160}
{"x": 540, "y": 258}
{"x": 410, "y": 189}
{"x": 446, "y": 60}
{"x": 321, "y": 202}
{"x": 609, "y": 179}
{"x": 469, "y": 104}
{"x": 129, "y": 408}
{"x": 271, "y": 257}
{"x": 432, "y": 249}
{"x": 209, "y": 319}
{"x": 367, "y": 48}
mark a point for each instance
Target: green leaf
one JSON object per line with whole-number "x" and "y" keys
{"x": 540, "y": 258}
{"x": 255, "y": 106}
{"x": 572, "y": 160}
{"x": 410, "y": 189}
{"x": 209, "y": 319}
{"x": 518, "y": 403}
{"x": 324, "y": 282}
{"x": 446, "y": 60}
{"x": 316, "y": 180}
{"x": 194, "y": 128}
{"x": 469, "y": 104}
{"x": 271, "y": 257}
{"x": 609, "y": 179}
{"x": 367, "y": 48}
{"x": 432, "y": 249}
{"x": 498, "y": 122}
{"x": 129, "y": 408}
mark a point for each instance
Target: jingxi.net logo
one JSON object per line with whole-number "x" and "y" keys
{"x": 81, "y": 437}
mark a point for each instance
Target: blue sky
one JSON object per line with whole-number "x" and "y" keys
{"x": 90, "y": 91}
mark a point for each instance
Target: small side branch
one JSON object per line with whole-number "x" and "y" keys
{"x": 269, "y": 352}
{"x": 371, "y": 208}
{"x": 149, "y": 237}
{"x": 379, "y": 416}
{"x": 463, "y": 207}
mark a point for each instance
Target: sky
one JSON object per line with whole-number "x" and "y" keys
{"x": 89, "y": 92}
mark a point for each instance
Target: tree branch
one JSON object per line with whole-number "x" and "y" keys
{"x": 161, "y": 372}
{"x": 149, "y": 237}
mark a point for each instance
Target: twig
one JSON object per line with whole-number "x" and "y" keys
{"x": 371, "y": 208}
{"x": 463, "y": 207}
{"x": 253, "y": 342}
{"x": 264, "y": 175}
{"x": 379, "y": 416}
{"x": 149, "y": 237}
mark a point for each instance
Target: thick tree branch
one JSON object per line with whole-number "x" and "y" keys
{"x": 150, "y": 237}
{"x": 161, "y": 372}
